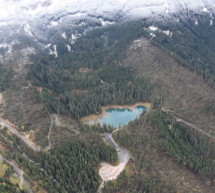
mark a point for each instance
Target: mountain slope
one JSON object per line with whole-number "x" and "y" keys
{"x": 40, "y": 23}
{"x": 70, "y": 58}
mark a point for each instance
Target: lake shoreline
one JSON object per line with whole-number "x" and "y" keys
{"x": 93, "y": 118}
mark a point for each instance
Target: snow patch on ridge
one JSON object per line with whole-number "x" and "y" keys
{"x": 30, "y": 9}
{"x": 153, "y": 29}
{"x": 205, "y": 9}
{"x": 64, "y": 35}
{"x": 48, "y": 46}
{"x": 69, "y": 48}
{"x": 74, "y": 37}
{"x": 54, "y": 23}
{"x": 105, "y": 23}
{"x": 27, "y": 29}
{"x": 54, "y": 52}
{"x": 8, "y": 47}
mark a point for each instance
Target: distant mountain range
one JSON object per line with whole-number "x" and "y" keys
{"x": 16, "y": 10}
{"x": 44, "y": 21}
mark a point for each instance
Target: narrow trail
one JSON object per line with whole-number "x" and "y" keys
{"x": 180, "y": 120}
{"x": 19, "y": 172}
{"x": 58, "y": 123}
{"x": 34, "y": 147}
{"x": 101, "y": 187}
{"x": 193, "y": 127}
{"x": 49, "y": 134}
{"x": 55, "y": 120}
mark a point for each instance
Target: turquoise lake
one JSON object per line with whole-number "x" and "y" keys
{"x": 120, "y": 117}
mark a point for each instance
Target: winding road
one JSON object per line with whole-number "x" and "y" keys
{"x": 108, "y": 172}
{"x": 15, "y": 132}
{"x": 13, "y": 129}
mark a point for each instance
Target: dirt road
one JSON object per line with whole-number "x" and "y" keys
{"x": 15, "y": 132}
{"x": 108, "y": 172}
{"x": 19, "y": 172}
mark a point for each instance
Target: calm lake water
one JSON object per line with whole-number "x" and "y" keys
{"x": 120, "y": 117}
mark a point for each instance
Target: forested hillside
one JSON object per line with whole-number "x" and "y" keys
{"x": 192, "y": 42}
{"x": 104, "y": 68}
{"x": 69, "y": 168}
{"x": 6, "y": 75}
{"x": 80, "y": 82}
{"x": 7, "y": 187}
{"x": 186, "y": 145}
{"x": 76, "y": 84}
{"x": 153, "y": 139}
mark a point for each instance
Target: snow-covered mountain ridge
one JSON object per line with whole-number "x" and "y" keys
{"x": 44, "y": 21}
{"x": 19, "y": 10}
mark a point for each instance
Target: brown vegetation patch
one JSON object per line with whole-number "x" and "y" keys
{"x": 22, "y": 109}
{"x": 80, "y": 92}
{"x": 60, "y": 135}
{"x": 2, "y": 147}
{"x": 1, "y": 99}
{"x": 37, "y": 188}
{"x": 129, "y": 83}
{"x": 84, "y": 70}
{"x": 39, "y": 89}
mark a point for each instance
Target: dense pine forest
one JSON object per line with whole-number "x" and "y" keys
{"x": 6, "y": 75}
{"x": 7, "y": 187}
{"x": 69, "y": 168}
{"x": 80, "y": 82}
{"x": 186, "y": 145}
